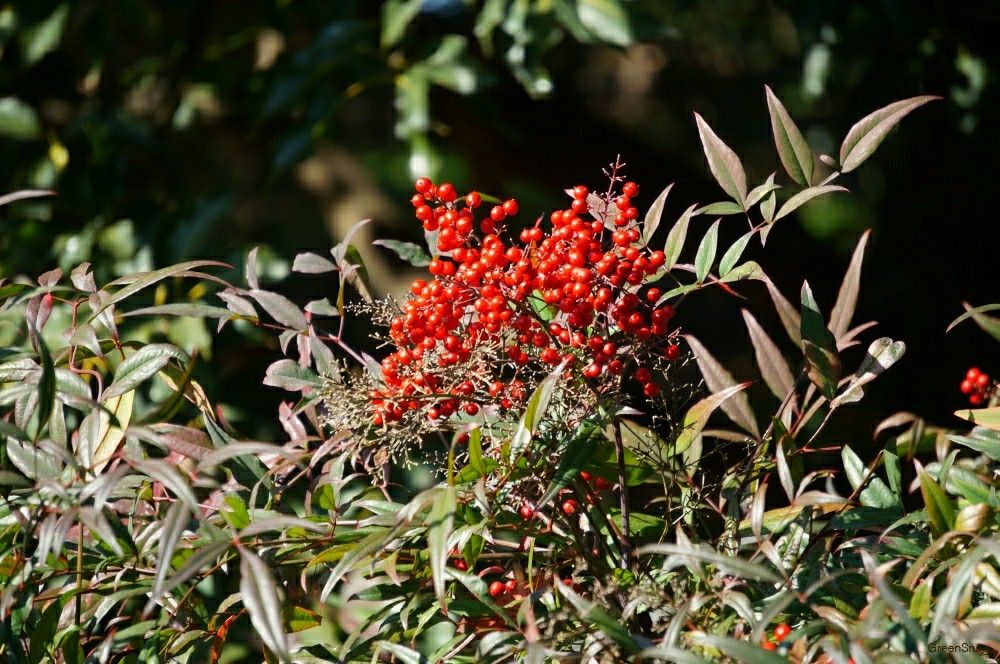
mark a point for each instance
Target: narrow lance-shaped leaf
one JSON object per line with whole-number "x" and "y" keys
{"x": 309, "y": 263}
{"x": 869, "y": 132}
{"x": 260, "y": 596}
{"x": 723, "y": 162}
{"x": 804, "y": 196}
{"x": 697, "y": 416}
{"x": 847, "y": 297}
{"x": 170, "y": 534}
{"x": 141, "y": 365}
{"x": 770, "y": 361}
{"x": 793, "y": 149}
{"x": 706, "y": 251}
{"x": 653, "y": 215}
{"x": 989, "y": 324}
{"x": 281, "y": 309}
{"x": 819, "y": 346}
{"x": 790, "y": 318}
{"x": 732, "y": 255}
{"x": 718, "y": 379}
{"x": 882, "y": 354}
{"x": 675, "y": 238}
{"x": 411, "y": 253}
{"x": 440, "y": 523}
{"x": 940, "y": 510}
{"x": 537, "y": 405}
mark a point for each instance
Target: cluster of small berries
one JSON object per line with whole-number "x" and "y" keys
{"x": 779, "y": 634}
{"x": 570, "y": 506}
{"x": 977, "y": 386}
{"x": 589, "y": 273}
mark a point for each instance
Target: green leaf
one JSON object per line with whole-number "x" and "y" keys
{"x": 794, "y": 151}
{"x": 989, "y": 324}
{"x": 986, "y": 417}
{"x": 869, "y": 132}
{"x": 396, "y": 16}
{"x": 770, "y": 361}
{"x": 171, "y": 531}
{"x": 940, "y": 510}
{"x": 721, "y": 208}
{"x": 18, "y": 119}
{"x": 717, "y": 378}
{"x": 819, "y": 346}
{"x": 982, "y": 440}
{"x": 733, "y": 254}
{"x": 260, "y": 597}
{"x": 533, "y": 413}
{"x": 790, "y": 318}
{"x": 188, "y": 309}
{"x": 139, "y": 366}
{"x": 728, "y": 564}
{"x": 697, "y": 416}
{"x": 595, "y": 616}
{"x": 607, "y": 19}
{"x": 740, "y": 651}
{"x": 747, "y": 270}
{"x": 758, "y": 193}
{"x": 137, "y": 282}
{"x": 706, "y": 252}
{"x": 675, "y": 238}
{"x": 804, "y": 197}
{"x": 292, "y": 376}
{"x": 574, "y": 458}
{"x": 440, "y": 523}
{"x": 723, "y": 162}
{"x": 411, "y": 253}
{"x": 653, "y": 215}
{"x": 847, "y": 297}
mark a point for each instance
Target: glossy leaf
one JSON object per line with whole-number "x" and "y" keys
{"x": 869, "y": 132}
{"x": 440, "y": 523}
{"x": 847, "y": 297}
{"x": 675, "y": 238}
{"x": 653, "y": 215}
{"x": 697, "y": 416}
{"x": 706, "y": 252}
{"x": 260, "y": 596}
{"x": 723, "y": 162}
{"x": 770, "y": 361}
{"x": 717, "y": 379}
{"x": 794, "y": 151}
{"x": 804, "y": 196}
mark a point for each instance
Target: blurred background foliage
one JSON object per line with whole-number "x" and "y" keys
{"x": 199, "y": 128}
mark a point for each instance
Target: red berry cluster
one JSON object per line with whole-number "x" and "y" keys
{"x": 977, "y": 386}
{"x": 588, "y": 273}
{"x": 780, "y": 633}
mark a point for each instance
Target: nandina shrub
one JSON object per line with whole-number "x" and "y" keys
{"x": 582, "y": 509}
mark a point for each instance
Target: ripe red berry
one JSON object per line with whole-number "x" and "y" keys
{"x": 460, "y": 564}
{"x": 510, "y": 207}
{"x": 972, "y": 374}
{"x": 966, "y": 387}
{"x": 446, "y": 192}
{"x": 673, "y": 352}
{"x": 782, "y": 631}
{"x": 570, "y": 507}
{"x": 767, "y": 645}
{"x": 653, "y": 294}
{"x": 526, "y": 512}
{"x": 473, "y": 199}
{"x": 423, "y": 185}
{"x": 497, "y": 588}
{"x": 630, "y": 189}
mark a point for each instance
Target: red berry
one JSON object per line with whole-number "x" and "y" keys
{"x": 497, "y": 588}
{"x": 767, "y": 645}
{"x": 630, "y": 189}
{"x": 653, "y": 294}
{"x": 781, "y": 631}
{"x": 460, "y": 564}
{"x": 570, "y": 507}
{"x": 966, "y": 387}
{"x": 972, "y": 374}
{"x": 982, "y": 381}
{"x": 473, "y": 199}
{"x": 510, "y": 207}
{"x": 526, "y": 512}
{"x": 446, "y": 192}
{"x": 423, "y": 185}
{"x": 673, "y": 352}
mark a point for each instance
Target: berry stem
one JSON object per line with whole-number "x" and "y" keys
{"x": 623, "y": 493}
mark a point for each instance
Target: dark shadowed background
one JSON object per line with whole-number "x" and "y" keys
{"x": 200, "y": 128}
